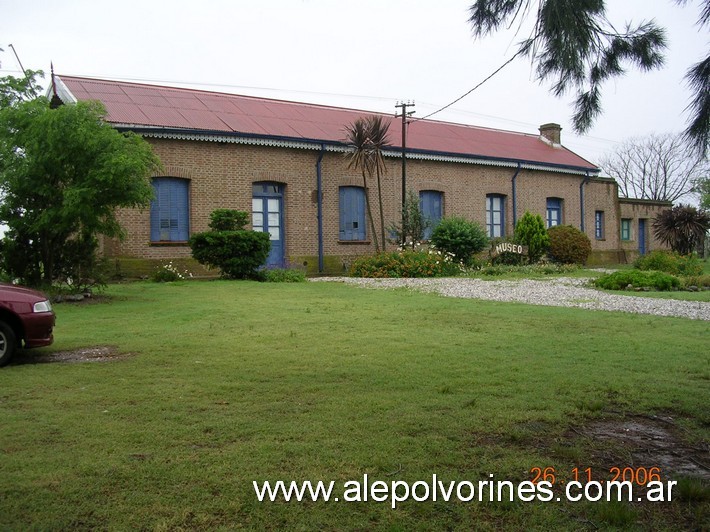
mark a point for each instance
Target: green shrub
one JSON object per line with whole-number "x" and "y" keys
{"x": 670, "y": 262}
{"x": 569, "y": 245}
{"x": 408, "y": 263}
{"x": 638, "y": 279}
{"x": 526, "y": 269}
{"x": 460, "y": 237}
{"x": 237, "y": 252}
{"x": 282, "y": 275}
{"x": 228, "y": 220}
{"x": 701, "y": 281}
{"x": 530, "y": 231}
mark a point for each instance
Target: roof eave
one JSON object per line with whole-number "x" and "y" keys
{"x": 330, "y": 145}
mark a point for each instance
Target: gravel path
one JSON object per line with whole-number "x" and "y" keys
{"x": 558, "y": 292}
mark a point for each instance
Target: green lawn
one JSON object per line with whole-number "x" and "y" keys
{"x": 230, "y": 382}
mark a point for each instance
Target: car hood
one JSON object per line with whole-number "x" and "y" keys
{"x": 10, "y": 292}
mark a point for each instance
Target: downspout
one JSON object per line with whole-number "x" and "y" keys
{"x": 581, "y": 198}
{"x": 319, "y": 202}
{"x": 515, "y": 196}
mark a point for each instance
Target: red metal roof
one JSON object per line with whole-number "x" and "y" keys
{"x": 176, "y": 108}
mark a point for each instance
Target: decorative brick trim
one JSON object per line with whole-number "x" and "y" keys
{"x": 349, "y": 181}
{"x": 176, "y": 171}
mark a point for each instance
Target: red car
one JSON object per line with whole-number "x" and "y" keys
{"x": 26, "y": 316}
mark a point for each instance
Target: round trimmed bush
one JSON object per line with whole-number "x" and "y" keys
{"x": 568, "y": 245}
{"x": 236, "y": 251}
{"x": 460, "y": 237}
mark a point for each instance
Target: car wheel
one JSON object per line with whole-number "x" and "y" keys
{"x": 7, "y": 343}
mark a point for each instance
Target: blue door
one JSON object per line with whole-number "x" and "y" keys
{"x": 642, "y": 236}
{"x": 267, "y": 216}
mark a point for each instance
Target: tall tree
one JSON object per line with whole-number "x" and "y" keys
{"x": 575, "y": 46}
{"x": 657, "y": 167}
{"x": 63, "y": 173}
{"x": 357, "y": 137}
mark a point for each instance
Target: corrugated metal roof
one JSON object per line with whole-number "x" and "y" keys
{"x": 194, "y": 110}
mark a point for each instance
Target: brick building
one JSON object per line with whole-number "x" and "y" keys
{"x": 287, "y": 163}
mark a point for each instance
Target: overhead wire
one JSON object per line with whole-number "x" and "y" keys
{"x": 469, "y": 91}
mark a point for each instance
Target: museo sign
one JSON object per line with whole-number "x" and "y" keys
{"x": 508, "y": 247}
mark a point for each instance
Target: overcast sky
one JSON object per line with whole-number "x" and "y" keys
{"x": 363, "y": 54}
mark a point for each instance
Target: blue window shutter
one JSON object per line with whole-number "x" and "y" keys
{"x": 155, "y": 213}
{"x": 430, "y": 203}
{"x": 181, "y": 210}
{"x": 360, "y": 213}
{"x": 170, "y": 211}
{"x": 352, "y": 213}
{"x": 343, "y": 214}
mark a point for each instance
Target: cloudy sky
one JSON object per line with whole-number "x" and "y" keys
{"x": 363, "y": 54}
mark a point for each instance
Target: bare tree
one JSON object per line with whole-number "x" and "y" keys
{"x": 657, "y": 167}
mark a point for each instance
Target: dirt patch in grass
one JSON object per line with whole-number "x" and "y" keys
{"x": 99, "y": 353}
{"x": 644, "y": 441}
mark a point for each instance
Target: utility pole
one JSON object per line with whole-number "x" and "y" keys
{"x": 24, "y": 72}
{"x": 403, "y": 105}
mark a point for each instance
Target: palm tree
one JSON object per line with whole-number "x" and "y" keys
{"x": 683, "y": 227}
{"x": 377, "y": 130}
{"x": 358, "y": 137}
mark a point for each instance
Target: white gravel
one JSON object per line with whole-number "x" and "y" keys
{"x": 558, "y": 292}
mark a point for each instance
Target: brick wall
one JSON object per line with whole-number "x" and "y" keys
{"x": 221, "y": 176}
{"x": 636, "y": 210}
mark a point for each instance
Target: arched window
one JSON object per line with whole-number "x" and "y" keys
{"x": 170, "y": 211}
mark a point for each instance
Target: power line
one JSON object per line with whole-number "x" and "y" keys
{"x": 470, "y": 91}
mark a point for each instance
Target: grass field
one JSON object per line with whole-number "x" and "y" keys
{"x": 224, "y": 383}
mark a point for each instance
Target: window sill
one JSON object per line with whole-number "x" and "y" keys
{"x": 355, "y": 242}
{"x": 169, "y": 244}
